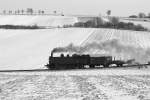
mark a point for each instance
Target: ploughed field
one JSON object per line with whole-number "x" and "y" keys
{"x": 114, "y": 84}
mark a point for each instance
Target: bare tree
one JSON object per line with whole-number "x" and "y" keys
{"x": 4, "y": 11}
{"x": 148, "y": 15}
{"x": 18, "y": 11}
{"x": 39, "y": 12}
{"x": 55, "y": 12}
{"x": 15, "y": 12}
{"x": 98, "y": 21}
{"x": 22, "y": 11}
{"x": 108, "y": 12}
{"x": 115, "y": 21}
{"x": 142, "y": 15}
{"x": 29, "y": 11}
{"x": 10, "y": 12}
{"x": 42, "y": 12}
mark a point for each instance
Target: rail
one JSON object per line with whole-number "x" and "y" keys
{"x": 139, "y": 66}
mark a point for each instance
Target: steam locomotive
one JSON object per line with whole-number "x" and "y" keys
{"x": 77, "y": 61}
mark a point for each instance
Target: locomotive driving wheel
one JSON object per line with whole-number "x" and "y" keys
{"x": 92, "y": 66}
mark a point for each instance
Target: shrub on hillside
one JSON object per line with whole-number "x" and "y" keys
{"x": 79, "y": 24}
{"x": 114, "y": 23}
{"x": 19, "y": 27}
{"x": 133, "y": 16}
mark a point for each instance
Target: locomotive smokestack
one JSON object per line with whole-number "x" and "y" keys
{"x": 52, "y": 54}
{"x": 114, "y": 58}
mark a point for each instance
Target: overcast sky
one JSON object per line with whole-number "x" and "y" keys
{"x": 92, "y": 7}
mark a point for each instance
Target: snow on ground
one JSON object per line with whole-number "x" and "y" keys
{"x": 40, "y": 20}
{"x": 55, "y": 21}
{"x": 127, "y": 44}
{"x": 29, "y": 49}
{"x": 104, "y": 84}
{"x": 26, "y": 49}
{"x": 126, "y": 37}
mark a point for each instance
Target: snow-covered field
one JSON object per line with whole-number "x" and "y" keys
{"x": 40, "y": 20}
{"x": 30, "y": 49}
{"x": 25, "y": 49}
{"x": 114, "y": 84}
{"x": 54, "y": 21}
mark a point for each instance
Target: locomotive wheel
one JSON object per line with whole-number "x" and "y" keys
{"x": 119, "y": 65}
{"x": 92, "y": 66}
{"x": 106, "y": 66}
{"x": 81, "y": 67}
{"x": 52, "y": 67}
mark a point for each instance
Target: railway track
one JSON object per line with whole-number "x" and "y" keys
{"x": 139, "y": 66}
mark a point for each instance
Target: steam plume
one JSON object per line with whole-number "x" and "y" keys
{"x": 113, "y": 47}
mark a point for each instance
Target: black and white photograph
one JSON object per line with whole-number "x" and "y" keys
{"x": 74, "y": 50}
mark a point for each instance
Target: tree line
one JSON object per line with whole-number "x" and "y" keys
{"x": 22, "y": 11}
{"x": 29, "y": 11}
{"x": 140, "y": 15}
{"x": 19, "y": 27}
{"x": 112, "y": 23}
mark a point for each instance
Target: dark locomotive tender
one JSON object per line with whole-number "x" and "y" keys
{"x": 81, "y": 61}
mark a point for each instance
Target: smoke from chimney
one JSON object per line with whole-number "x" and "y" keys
{"x": 113, "y": 47}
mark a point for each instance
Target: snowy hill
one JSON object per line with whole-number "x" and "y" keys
{"x": 23, "y": 49}
{"x": 40, "y": 20}
{"x": 26, "y": 49}
{"x": 56, "y": 20}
